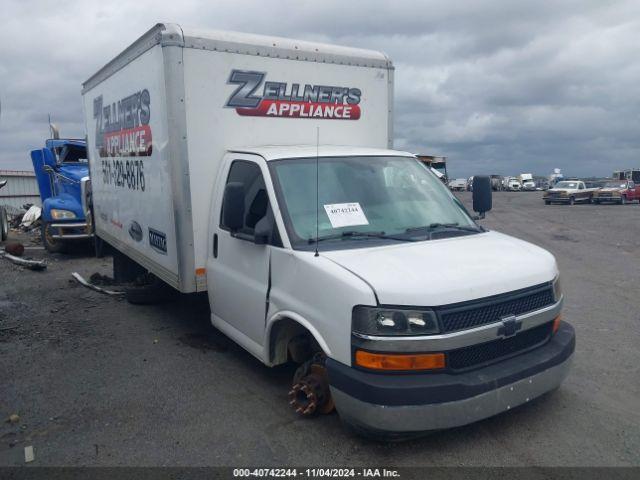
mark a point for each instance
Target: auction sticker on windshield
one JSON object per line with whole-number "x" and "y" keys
{"x": 345, "y": 214}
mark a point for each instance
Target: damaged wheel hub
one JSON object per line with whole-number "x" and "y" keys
{"x": 310, "y": 392}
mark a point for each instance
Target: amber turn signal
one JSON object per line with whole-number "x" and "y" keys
{"x": 390, "y": 361}
{"x": 556, "y": 323}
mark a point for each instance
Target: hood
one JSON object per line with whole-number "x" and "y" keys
{"x": 558, "y": 190}
{"x": 440, "y": 272}
{"x": 612, "y": 189}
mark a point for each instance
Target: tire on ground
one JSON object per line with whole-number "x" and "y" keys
{"x": 150, "y": 294}
{"x": 4, "y": 224}
{"x": 50, "y": 244}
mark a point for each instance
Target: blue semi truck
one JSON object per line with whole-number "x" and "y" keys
{"x": 62, "y": 172}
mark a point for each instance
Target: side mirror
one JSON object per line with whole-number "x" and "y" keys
{"x": 233, "y": 206}
{"x": 482, "y": 195}
{"x": 263, "y": 229}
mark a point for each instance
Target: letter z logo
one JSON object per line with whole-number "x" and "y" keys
{"x": 248, "y": 83}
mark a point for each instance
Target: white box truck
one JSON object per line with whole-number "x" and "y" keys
{"x": 342, "y": 255}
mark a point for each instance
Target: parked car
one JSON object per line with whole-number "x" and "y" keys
{"x": 513, "y": 184}
{"x": 458, "y": 184}
{"x": 618, "y": 191}
{"x": 496, "y": 182}
{"x": 568, "y": 191}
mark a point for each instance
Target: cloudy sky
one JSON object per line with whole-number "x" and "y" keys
{"x": 497, "y": 86}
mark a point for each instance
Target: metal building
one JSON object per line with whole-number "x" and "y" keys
{"x": 21, "y": 188}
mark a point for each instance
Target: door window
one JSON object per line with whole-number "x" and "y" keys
{"x": 256, "y": 199}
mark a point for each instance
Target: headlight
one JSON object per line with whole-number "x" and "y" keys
{"x": 57, "y": 214}
{"x": 393, "y": 321}
{"x": 557, "y": 289}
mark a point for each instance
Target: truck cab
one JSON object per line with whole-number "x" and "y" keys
{"x": 344, "y": 265}
{"x": 62, "y": 173}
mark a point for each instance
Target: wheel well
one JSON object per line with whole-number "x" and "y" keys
{"x": 290, "y": 340}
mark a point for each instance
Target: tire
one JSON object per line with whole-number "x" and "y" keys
{"x": 595, "y": 201}
{"x": 547, "y": 202}
{"x": 50, "y": 244}
{"x": 4, "y": 224}
{"x": 99, "y": 246}
{"x": 623, "y": 200}
{"x": 572, "y": 200}
{"x": 151, "y": 294}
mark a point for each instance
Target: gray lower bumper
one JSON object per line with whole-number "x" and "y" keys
{"x": 78, "y": 231}
{"x": 417, "y": 418}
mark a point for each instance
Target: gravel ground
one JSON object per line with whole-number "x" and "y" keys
{"x": 96, "y": 381}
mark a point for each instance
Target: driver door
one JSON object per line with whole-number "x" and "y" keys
{"x": 238, "y": 268}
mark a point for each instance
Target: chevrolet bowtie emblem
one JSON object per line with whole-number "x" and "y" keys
{"x": 510, "y": 326}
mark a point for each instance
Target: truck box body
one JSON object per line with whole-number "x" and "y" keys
{"x": 161, "y": 115}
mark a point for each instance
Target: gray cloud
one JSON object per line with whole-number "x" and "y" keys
{"x": 497, "y": 86}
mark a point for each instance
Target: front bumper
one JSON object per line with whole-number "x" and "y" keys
{"x": 71, "y": 230}
{"x": 433, "y": 401}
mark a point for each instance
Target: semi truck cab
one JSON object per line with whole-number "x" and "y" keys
{"x": 62, "y": 173}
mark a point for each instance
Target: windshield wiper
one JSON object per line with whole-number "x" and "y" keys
{"x": 352, "y": 234}
{"x": 443, "y": 226}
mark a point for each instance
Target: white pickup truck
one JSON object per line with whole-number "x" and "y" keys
{"x": 342, "y": 255}
{"x": 569, "y": 191}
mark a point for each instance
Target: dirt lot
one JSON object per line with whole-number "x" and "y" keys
{"x": 97, "y": 381}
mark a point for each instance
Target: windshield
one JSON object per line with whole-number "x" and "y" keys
{"x": 372, "y": 198}
{"x": 615, "y": 185}
{"x": 566, "y": 185}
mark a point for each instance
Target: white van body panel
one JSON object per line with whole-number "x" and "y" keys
{"x": 322, "y": 293}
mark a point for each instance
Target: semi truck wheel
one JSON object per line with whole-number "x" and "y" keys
{"x": 52, "y": 245}
{"x": 4, "y": 224}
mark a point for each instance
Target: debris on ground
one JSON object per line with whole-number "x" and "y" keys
{"x": 13, "y": 418}
{"x": 29, "y": 455}
{"x": 82, "y": 281}
{"x": 24, "y": 262}
{"x": 102, "y": 280}
{"x": 33, "y": 214}
{"x": 14, "y": 248}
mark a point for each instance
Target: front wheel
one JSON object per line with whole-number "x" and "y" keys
{"x": 547, "y": 202}
{"x": 623, "y": 200}
{"x": 52, "y": 245}
{"x": 572, "y": 200}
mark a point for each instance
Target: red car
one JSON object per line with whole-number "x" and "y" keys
{"x": 617, "y": 191}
